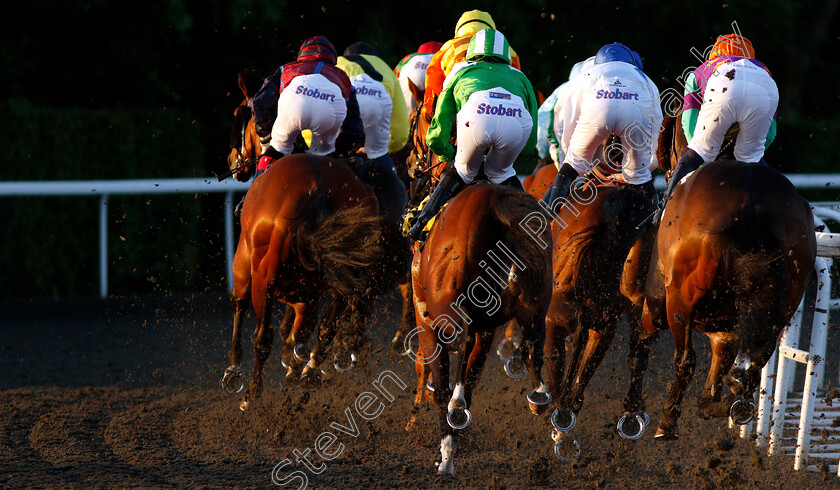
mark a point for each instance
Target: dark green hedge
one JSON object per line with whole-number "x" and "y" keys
{"x": 156, "y": 242}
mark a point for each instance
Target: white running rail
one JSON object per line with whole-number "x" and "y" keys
{"x": 106, "y": 188}
{"x": 780, "y": 415}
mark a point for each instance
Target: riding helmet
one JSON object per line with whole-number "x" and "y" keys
{"x": 490, "y": 44}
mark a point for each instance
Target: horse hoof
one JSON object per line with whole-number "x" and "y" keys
{"x": 631, "y": 426}
{"x": 310, "y": 380}
{"x": 665, "y": 435}
{"x": 233, "y": 381}
{"x": 566, "y": 446}
{"x": 292, "y": 377}
{"x": 515, "y": 368}
{"x": 539, "y": 397}
{"x": 506, "y": 348}
{"x": 563, "y": 420}
{"x": 301, "y": 354}
{"x": 344, "y": 362}
{"x": 459, "y": 418}
{"x": 742, "y": 412}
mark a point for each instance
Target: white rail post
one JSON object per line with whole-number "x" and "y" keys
{"x": 784, "y": 373}
{"x": 815, "y": 363}
{"x": 103, "y": 246}
{"x": 229, "y": 247}
{"x": 765, "y": 399}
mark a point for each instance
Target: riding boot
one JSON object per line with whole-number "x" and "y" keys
{"x": 237, "y": 211}
{"x": 513, "y": 182}
{"x": 689, "y": 162}
{"x": 559, "y": 190}
{"x": 649, "y": 191}
{"x": 449, "y": 185}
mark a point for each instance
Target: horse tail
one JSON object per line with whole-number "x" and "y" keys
{"x": 603, "y": 247}
{"x": 345, "y": 245}
{"x": 759, "y": 282}
{"x": 757, "y": 271}
{"x": 511, "y": 209}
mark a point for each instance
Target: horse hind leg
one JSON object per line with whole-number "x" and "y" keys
{"x": 711, "y": 402}
{"x": 459, "y": 415}
{"x": 263, "y": 338}
{"x": 533, "y": 336}
{"x": 293, "y": 351}
{"x": 743, "y": 409}
{"x": 233, "y": 381}
{"x": 638, "y": 359}
{"x": 326, "y": 333}
{"x": 408, "y": 323}
{"x": 684, "y": 364}
{"x": 597, "y": 343}
{"x": 632, "y": 424}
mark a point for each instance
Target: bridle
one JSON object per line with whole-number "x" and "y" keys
{"x": 420, "y": 150}
{"x": 244, "y": 114}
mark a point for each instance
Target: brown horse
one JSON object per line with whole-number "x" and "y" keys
{"x": 731, "y": 259}
{"x": 595, "y": 235}
{"x": 391, "y": 267}
{"x": 478, "y": 269}
{"x": 309, "y": 226}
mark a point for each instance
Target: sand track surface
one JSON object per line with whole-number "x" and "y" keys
{"x": 125, "y": 393}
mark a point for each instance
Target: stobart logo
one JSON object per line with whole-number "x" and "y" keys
{"x": 362, "y": 90}
{"x": 498, "y": 110}
{"x": 616, "y": 94}
{"x": 314, "y": 93}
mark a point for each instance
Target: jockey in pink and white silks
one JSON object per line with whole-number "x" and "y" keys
{"x": 613, "y": 96}
{"x": 494, "y": 108}
{"x": 731, "y": 86}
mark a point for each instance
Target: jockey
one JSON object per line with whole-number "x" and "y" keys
{"x": 309, "y": 93}
{"x": 552, "y": 127}
{"x": 380, "y": 101}
{"x": 495, "y": 109}
{"x": 413, "y": 68}
{"x": 731, "y": 86}
{"x": 613, "y": 96}
{"x": 452, "y": 52}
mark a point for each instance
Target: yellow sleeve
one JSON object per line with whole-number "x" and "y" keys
{"x": 399, "y": 112}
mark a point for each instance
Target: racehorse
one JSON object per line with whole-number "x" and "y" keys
{"x": 391, "y": 266}
{"x": 731, "y": 259}
{"x": 478, "y": 269}
{"x": 595, "y": 236}
{"x": 309, "y": 226}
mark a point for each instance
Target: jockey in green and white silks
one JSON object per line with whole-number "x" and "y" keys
{"x": 495, "y": 109}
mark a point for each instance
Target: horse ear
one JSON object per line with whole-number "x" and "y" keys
{"x": 665, "y": 143}
{"x": 248, "y": 83}
{"x": 416, "y": 93}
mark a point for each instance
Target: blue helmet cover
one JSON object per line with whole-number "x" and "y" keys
{"x": 617, "y": 52}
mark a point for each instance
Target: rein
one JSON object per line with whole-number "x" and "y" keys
{"x": 422, "y": 154}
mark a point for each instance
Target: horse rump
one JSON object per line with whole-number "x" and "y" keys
{"x": 511, "y": 209}
{"x": 603, "y": 247}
